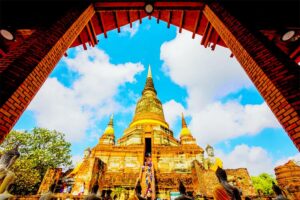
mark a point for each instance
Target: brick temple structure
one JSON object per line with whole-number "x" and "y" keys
{"x": 288, "y": 178}
{"x": 119, "y": 164}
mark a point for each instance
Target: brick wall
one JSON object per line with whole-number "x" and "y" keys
{"x": 25, "y": 69}
{"x": 276, "y": 76}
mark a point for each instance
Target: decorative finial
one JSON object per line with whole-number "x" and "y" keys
{"x": 149, "y": 86}
{"x": 111, "y": 121}
{"x": 183, "y": 123}
{"x": 149, "y": 72}
{"x": 110, "y": 127}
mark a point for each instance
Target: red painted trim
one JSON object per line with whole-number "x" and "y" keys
{"x": 205, "y": 33}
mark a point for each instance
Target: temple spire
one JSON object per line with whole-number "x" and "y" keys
{"x": 184, "y": 130}
{"x": 149, "y": 86}
{"x": 110, "y": 126}
{"x": 111, "y": 121}
{"x": 149, "y": 72}
{"x": 149, "y": 109}
{"x": 183, "y": 123}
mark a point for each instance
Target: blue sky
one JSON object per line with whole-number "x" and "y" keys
{"x": 221, "y": 105}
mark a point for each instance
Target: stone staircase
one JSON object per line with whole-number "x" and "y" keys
{"x": 152, "y": 182}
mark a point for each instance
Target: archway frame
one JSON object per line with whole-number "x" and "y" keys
{"x": 24, "y": 69}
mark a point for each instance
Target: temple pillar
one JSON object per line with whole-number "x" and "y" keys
{"x": 274, "y": 74}
{"x": 88, "y": 174}
{"x": 52, "y": 176}
{"x": 24, "y": 69}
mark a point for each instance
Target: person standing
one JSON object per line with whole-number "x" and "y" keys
{"x": 81, "y": 191}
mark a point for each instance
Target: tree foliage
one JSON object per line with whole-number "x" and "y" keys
{"x": 40, "y": 149}
{"x": 28, "y": 178}
{"x": 263, "y": 183}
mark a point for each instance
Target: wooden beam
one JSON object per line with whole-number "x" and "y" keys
{"x": 205, "y": 33}
{"x": 208, "y": 36}
{"x": 89, "y": 33}
{"x": 178, "y": 5}
{"x": 113, "y": 5}
{"x": 181, "y": 21}
{"x": 93, "y": 32}
{"x": 116, "y": 20}
{"x": 139, "y": 16}
{"x": 129, "y": 18}
{"x": 216, "y": 41}
{"x": 295, "y": 52}
{"x": 100, "y": 19}
{"x": 158, "y": 16}
{"x": 139, "y": 5}
{"x": 81, "y": 41}
{"x": 2, "y": 52}
{"x": 197, "y": 22}
{"x": 169, "y": 20}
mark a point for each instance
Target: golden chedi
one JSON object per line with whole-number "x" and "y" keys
{"x": 116, "y": 166}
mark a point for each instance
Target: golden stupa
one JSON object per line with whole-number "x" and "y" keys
{"x": 114, "y": 165}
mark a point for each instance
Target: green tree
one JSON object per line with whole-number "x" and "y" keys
{"x": 28, "y": 178}
{"x": 263, "y": 182}
{"x": 40, "y": 149}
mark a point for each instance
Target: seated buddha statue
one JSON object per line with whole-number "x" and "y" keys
{"x": 212, "y": 162}
{"x": 6, "y": 175}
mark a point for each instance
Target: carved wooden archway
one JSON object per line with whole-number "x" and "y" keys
{"x": 27, "y": 65}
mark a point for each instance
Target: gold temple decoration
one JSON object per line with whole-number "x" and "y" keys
{"x": 110, "y": 127}
{"x": 108, "y": 137}
{"x": 114, "y": 165}
{"x": 149, "y": 108}
{"x": 184, "y": 130}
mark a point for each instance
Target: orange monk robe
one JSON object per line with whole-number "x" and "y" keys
{"x": 220, "y": 193}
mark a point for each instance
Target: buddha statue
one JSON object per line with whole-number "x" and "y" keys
{"x": 87, "y": 153}
{"x": 212, "y": 162}
{"x": 7, "y": 159}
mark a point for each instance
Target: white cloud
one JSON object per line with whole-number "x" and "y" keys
{"x": 74, "y": 110}
{"x": 255, "y": 159}
{"x": 132, "y": 31}
{"x": 218, "y": 122}
{"x": 56, "y": 107}
{"x": 208, "y": 77}
{"x": 296, "y": 158}
{"x": 172, "y": 111}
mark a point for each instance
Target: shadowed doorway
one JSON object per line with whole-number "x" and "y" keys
{"x": 148, "y": 146}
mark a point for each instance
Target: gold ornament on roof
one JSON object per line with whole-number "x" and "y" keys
{"x": 184, "y": 130}
{"x": 110, "y": 127}
{"x": 149, "y": 108}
